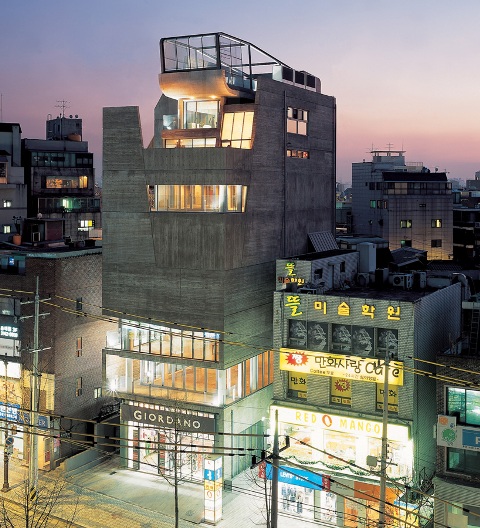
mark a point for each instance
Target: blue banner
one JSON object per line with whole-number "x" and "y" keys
{"x": 471, "y": 438}
{"x": 296, "y": 477}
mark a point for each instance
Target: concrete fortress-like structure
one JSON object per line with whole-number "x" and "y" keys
{"x": 240, "y": 170}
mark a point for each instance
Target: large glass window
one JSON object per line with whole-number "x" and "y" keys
{"x": 191, "y": 143}
{"x": 463, "y": 461}
{"x": 197, "y": 198}
{"x": 297, "y": 120}
{"x": 237, "y": 130}
{"x": 201, "y": 114}
{"x": 465, "y": 403}
{"x": 63, "y": 182}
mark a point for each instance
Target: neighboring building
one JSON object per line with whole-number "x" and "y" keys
{"x": 60, "y": 177}
{"x": 457, "y": 481}
{"x": 240, "y": 170}
{"x": 71, "y": 335}
{"x": 13, "y": 191}
{"x": 334, "y": 328}
{"x": 404, "y": 203}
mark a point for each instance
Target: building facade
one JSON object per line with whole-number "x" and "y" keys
{"x": 241, "y": 168}
{"x": 404, "y": 203}
{"x": 60, "y": 178}
{"x": 329, "y": 391}
{"x": 13, "y": 191}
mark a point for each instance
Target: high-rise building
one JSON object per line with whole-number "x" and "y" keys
{"x": 60, "y": 179}
{"x": 240, "y": 170}
{"x": 404, "y": 203}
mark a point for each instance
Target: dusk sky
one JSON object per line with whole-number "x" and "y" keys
{"x": 403, "y": 73}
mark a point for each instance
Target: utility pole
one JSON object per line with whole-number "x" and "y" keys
{"x": 34, "y": 399}
{"x": 275, "y": 462}
{"x": 383, "y": 461}
{"x": 6, "y": 485}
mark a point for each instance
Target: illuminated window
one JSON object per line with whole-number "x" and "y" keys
{"x": 191, "y": 143}
{"x": 392, "y": 398}
{"x": 97, "y": 392}
{"x": 7, "y": 228}
{"x": 436, "y": 223}
{"x": 292, "y": 153}
{"x": 82, "y": 182}
{"x": 297, "y": 121}
{"x": 201, "y": 114}
{"x": 79, "y": 346}
{"x": 373, "y": 204}
{"x": 85, "y": 225}
{"x": 197, "y": 198}
{"x": 405, "y": 243}
{"x": 237, "y": 130}
{"x": 78, "y": 386}
{"x": 405, "y": 224}
{"x": 465, "y": 404}
{"x": 3, "y": 172}
{"x": 7, "y": 203}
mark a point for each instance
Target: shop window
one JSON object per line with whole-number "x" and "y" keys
{"x": 7, "y": 203}
{"x": 79, "y": 346}
{"x": 465, "y": 404}
{"x": 405, "y": 224}
{"x": 97, "y": 392}
{"x": 437, "y": 243}
{"x": 237, "y": 130}
{"x": 341, "y": 391}
{"x": 297, "y": 120}
{"x": 436, "y": 222}
{"x": 79, "y": 386}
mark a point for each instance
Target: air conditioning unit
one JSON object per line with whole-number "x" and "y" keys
{"x": 363, "y": 279}
{"x": 402, "y": 280}
{"x": 35, "y": 236}
{"x": 421, "y": 278}
{"x": 310, "y": 291}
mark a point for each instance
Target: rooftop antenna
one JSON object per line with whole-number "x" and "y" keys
{"x": 62, "y": 104}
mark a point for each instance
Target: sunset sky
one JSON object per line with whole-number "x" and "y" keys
{"x": 403, "y": 73}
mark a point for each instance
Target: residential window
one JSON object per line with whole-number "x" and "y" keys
{"x": 3, "y": 172}
{"x": 437, "y": 243}
{"x": 79, "y": 346}
{"x": 463, "y": 461}
{"x": 342, "y": 266}
{"x": 292, "y": 153}
{"x": 373, "y": 204}
{"x": 7, "y": 228}
{"x": 436, "y": 223}
{"x": 405, "y": 243}
{"x": 85, "y": 225}
{"x": 79, "y": 386}
{"x": 371, "y": 186}
{"x": 79, "y": 305}
{"x": 465, "y": 404}
{"x": 237, "y": 130}
{"x": 7, "y": 203}
{"x": 201, "y": 114}
{"x": 97, "y": 392}
{"x": 297, "y": 120}
{"x": 405, "y": 224}
{"x": 341, "y": 391}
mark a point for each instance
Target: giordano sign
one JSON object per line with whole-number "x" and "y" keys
{"x": 167, "y": 419}
{"x": 340, "y": 366}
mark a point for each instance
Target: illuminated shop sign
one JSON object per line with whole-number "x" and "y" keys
{"x": 167, "y": 419}
{"x": 296, "y": 477}
{"x": 9, "y": 331}
{"x": 332, "y": 422}
{"x": 336, "y": 366}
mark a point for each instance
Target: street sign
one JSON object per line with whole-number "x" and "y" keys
{"x": 9, "y": 441}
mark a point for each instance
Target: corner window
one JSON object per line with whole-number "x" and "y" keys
{"x": 297, "y": 120}
{"x": 237, "y": 130}
{"x": 405, "y": 224}
{"x": 436, "y": 223}
{"x": 437, "y": 243}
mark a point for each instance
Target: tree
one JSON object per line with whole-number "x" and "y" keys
{"x": 52, "y": 506}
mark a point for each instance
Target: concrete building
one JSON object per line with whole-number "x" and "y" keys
{"x": 404, "y": 203}
{"x": 336, "y": 319}
{"x": 240, "y": 170}
{"x": 71, "y": 335}
{"x": 60, "y": 179}
{"x": 457, "y": 501}
{"x": 13, "y": 191}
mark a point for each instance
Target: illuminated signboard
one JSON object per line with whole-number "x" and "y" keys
{"x": 340, "y": 366}
{"x": 346, "y": 424}
{"x": 213, "y": 485}
{"x": 9, "y": 331}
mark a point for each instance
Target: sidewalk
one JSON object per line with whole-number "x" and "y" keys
{"x": 121, "y": 498}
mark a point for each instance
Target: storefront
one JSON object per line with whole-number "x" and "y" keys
{"x": 329, "y": 444}
{"x": 162, "y": 439}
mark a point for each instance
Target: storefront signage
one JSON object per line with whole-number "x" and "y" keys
{"x": 213, "y": 485}
{"x": 12, "y": 413}
{"x": 346, "y": 424}
{"x": 167, "y": 419}
{"x": 296, "y": 477}
{"x": 293, "y": 302}
{"x": 449, "y": 434}
{"x": 340, "y": 366}
{"x": 9, "y": 331}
